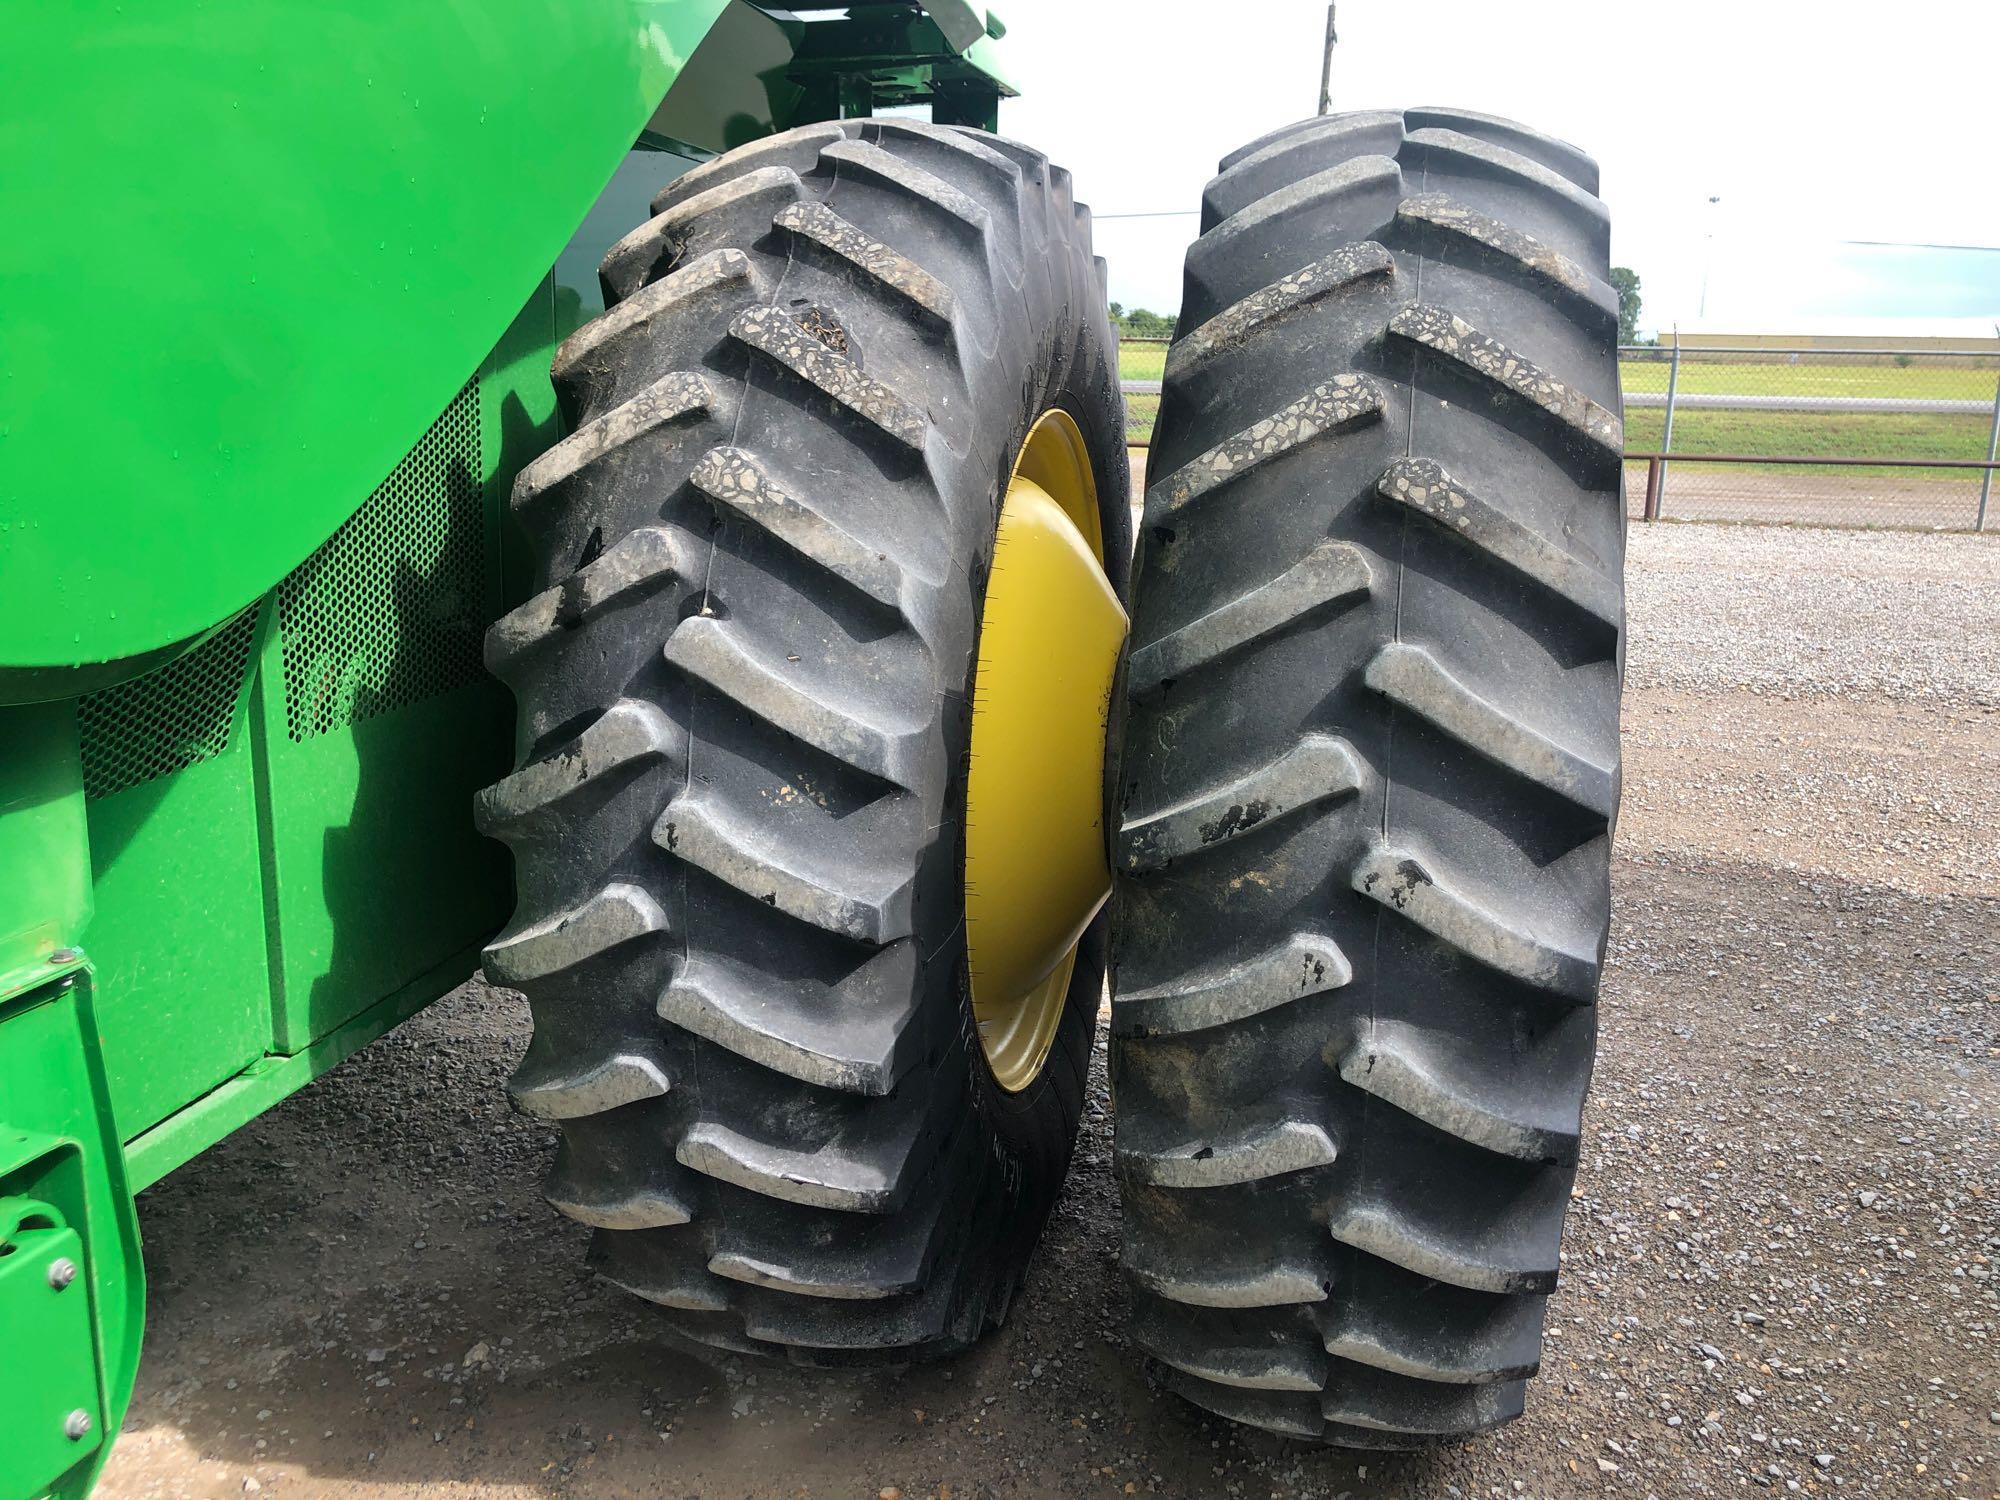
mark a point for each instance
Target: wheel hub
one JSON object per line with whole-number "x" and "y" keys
{"x": 1035, "y": 867}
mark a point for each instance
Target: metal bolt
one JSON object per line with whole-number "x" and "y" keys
{"x": 76, "y": 1425}
{"x": 63, "y": 956}
{"x": 61, "y": 1272}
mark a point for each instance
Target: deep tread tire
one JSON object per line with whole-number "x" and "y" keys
{"x": 1370, "y": 771}
{"x": 744, "y": 681}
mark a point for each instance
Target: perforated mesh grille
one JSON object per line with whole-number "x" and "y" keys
{"x": 388, "y": 611}
{"x": 169, "y": 719}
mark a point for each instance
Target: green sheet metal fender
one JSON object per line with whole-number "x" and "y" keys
{"x": 252, "y": 246}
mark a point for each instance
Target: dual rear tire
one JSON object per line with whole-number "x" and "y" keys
{"x": 1359, "y": 807}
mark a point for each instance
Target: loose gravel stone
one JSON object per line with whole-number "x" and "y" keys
{"x": 1804, "y": 613}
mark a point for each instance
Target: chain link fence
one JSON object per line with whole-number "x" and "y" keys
{"x": 1829, "y": 437}
{"x": 1820, "y": 437}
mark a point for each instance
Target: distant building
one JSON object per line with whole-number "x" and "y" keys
{"x": 1910, "y": 335}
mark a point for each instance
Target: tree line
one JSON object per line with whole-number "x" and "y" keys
{"x": 1141, "y": 323}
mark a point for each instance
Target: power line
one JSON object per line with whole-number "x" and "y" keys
{"x": 1922, "y": 245}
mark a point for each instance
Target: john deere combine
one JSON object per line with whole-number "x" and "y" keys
{"x": 770, "y": 451}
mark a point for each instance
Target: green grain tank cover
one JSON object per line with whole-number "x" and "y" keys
{"x": 250, "y": 248}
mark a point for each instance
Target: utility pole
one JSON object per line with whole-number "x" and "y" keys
{"x": 1992, "y": 452}
{"x": 1326, "y": 66}
{"x": 1708, "y": 254}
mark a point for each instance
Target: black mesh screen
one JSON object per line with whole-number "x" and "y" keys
{"x": 388, "y": 612}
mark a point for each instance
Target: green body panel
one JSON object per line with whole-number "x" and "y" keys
{"x": 45, "y": 889}
{"x": 255, "y": 241}
{"x": 318, "y": 857}
{"x": 59, "y": 1149}
{"x": 174, "y": 865}
{"x": 178, "y": 848}
{"x": 251, "y": 243}
{"x": 64, "y": 1194}
{"x": 36, "y": 1420}
{"x": 242, "y": 708}
{"x": 193, "y": 1129}
{"x": 221, "y": 878}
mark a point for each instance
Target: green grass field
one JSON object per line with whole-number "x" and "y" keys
{"x": 1806, "y": 434}
{"x": 1958, "y": 381}
{"x": 1141, "y": 361}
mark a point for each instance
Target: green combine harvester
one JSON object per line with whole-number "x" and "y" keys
{"x": 366, "y": 369}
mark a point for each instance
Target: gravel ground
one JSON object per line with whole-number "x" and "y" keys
{"x": 1919, "y": 498}
{"x": 1816, "y": 614}
{"x": 1779, "y": 1268}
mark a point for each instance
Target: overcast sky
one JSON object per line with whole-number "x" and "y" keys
{"x": 1815, "y": 123}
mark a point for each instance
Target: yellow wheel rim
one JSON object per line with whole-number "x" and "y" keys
{"x": 1050, "y": 633}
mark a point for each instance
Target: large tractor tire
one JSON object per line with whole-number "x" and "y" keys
{"x": 1371, "y": 768}
{"x": 811, "y": 1097}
